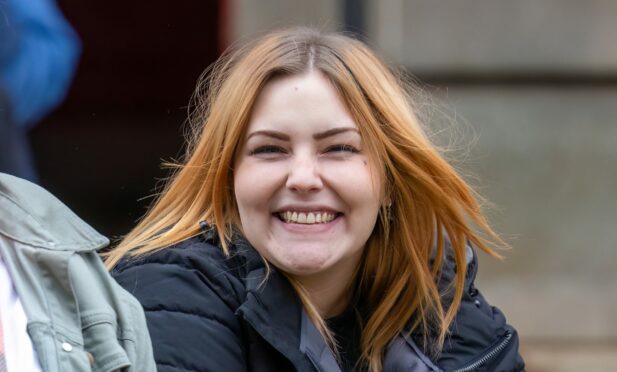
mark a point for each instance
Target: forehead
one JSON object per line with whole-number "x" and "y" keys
{"x": 299, "y": 102}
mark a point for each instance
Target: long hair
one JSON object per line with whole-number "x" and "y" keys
{"x": 426, "y": 201}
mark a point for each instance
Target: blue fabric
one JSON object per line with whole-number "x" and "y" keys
{"x": 38, "y": 55}
{"x": 15, "y": 154}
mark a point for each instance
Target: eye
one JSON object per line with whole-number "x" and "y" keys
{"x": 268, "y": 150}
{"x": 342, "y": 148}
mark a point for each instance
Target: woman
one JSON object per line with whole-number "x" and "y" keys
{"x": 313, "y": 226}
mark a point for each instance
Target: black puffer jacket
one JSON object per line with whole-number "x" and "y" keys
{"x": 208, "y": 312}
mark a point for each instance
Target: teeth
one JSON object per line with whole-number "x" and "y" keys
{"x": 310, "y": 218}
{"x": 307, "y": 218}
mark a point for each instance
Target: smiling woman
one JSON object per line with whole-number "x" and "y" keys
{"x": 313, "y": 213}
{"x": 313, "y": 227}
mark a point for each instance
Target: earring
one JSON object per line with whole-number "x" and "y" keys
{"x": 389, "y": 212}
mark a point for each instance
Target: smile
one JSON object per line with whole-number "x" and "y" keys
{"x": 307, "y": 218}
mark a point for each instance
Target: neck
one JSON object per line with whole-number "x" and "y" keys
{"x": 329, "y": 292}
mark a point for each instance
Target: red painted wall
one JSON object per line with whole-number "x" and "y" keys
{"x": 101, "y": 150}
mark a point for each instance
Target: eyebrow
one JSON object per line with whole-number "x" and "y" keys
{"x": 318, "y": 136}
{"x": 334, "y": 132}
{"x": 269, "y": 133}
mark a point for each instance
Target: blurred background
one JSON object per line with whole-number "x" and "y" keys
{"x": 526, "y": 90}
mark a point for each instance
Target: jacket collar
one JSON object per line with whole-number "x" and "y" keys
{"x": 38, "y": 219}
{"x": 404, "y": 355}
{"x": 315, "y": 348}
{"x": 273, "y": 309}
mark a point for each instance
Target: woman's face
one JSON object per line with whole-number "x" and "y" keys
{"x": 307, "y": 196}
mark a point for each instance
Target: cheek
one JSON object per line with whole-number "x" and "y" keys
{"x": 355, "y": 183}
{"x": 254, "y": 187}
{"x": 240, "y": 191}
{"x": 245, "y": 195}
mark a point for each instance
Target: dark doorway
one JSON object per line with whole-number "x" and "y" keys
{"x": 101, "y": 151}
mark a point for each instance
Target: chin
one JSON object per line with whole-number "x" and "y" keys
{"x": 305, "y": 265}
{"x": 304, "y": 270}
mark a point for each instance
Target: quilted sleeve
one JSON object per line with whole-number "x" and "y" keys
{"x": 189, "y": 311}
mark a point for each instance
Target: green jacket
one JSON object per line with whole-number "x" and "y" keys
{"x": 79, "y": 318}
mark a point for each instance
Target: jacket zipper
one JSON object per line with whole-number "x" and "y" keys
{"x": 488, "y": 356}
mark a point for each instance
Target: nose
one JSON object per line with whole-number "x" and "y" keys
{"x": 304, "y": 175}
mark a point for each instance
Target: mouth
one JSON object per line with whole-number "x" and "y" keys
{"x": 307, "y": 218}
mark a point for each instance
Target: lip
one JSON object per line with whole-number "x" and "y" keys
{"x": 306, "y": 209}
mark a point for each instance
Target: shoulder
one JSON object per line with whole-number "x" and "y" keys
{"x": 194, "y": 253}
{"x": 44, "y": 221}
{"x": 47, "y": 249}
{"x": 199, "y": 254}
{"x": 188, "y": 268}
{"x": 190, "y": 292}
{"x": 480, "y": 335}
